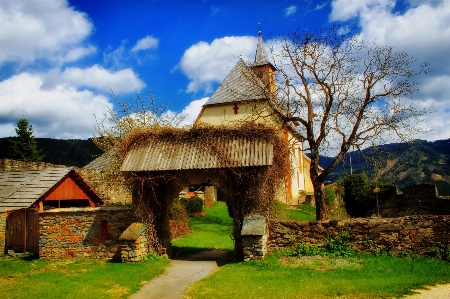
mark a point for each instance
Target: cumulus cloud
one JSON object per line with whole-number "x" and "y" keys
{"x": 34, "y": 29}
{"x": 63, "y": 112}
{"x": 290, "y": 10}
{"x": 206, "y": 64}
{"x": 101, "y": 79}
{"x": 148, "y": 42}
{"x": 192, "y": 110}
{"x": 423, "y": 31}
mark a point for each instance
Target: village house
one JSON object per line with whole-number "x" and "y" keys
{"x": 248, "y": 94}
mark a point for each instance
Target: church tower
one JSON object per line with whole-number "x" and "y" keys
{"x": 262, "y": 67}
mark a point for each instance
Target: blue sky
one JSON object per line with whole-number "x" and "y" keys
{"x": 59, "y": 59}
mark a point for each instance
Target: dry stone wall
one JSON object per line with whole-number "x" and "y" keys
{"x": 88, "y": 233}
{"x": 419, "y": 234}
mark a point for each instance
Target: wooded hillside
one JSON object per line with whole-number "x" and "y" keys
{"x": 403, "y": 164}
{"x": 72, "y": 152}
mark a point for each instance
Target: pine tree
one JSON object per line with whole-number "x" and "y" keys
{"x": 24, "y": 146}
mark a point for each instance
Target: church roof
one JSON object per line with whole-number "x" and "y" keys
{"x": 240, "y": 85}
{"x": 261, "y": 55}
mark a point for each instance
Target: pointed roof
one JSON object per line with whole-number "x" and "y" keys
{"x": 240, "y": 85}
{"x": 22, "y": 188}
{"x": 261, "y": 55}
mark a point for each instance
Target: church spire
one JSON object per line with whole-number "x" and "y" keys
{"x": 261, "y": 55}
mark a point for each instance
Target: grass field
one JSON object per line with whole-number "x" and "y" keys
{"x": 211, "y": 231}
{"x": 278, "y": 276}
{"x": 73, "y": 278}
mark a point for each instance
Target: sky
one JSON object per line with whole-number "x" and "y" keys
{"x": 60, "y": 60}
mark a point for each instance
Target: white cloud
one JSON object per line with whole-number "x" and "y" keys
{"x": 192, "y": 110}
{"x": 101, "y": 79}
{"x": 63, "y": 112}
{"x": 79, "y": 52}
{"x": 290, "y": 10}
{"x": 148, "y": 42}
{"x": 421, "y": 30}
{"x": 205, "y": 64}
{"x": 34, "y": 29}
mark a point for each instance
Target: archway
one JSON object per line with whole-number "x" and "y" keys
{"x": 240, "y": 162}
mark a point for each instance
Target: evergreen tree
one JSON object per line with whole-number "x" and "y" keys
{"x": 24, "y": 146}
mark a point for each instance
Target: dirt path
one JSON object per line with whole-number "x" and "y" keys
{"x": 180, "y": 274}
{"x": 434, "y": 292}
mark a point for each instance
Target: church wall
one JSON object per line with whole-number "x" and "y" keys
{"x": 258, "y": 112}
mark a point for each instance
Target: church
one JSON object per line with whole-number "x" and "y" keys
{"x": 248, "y": 94}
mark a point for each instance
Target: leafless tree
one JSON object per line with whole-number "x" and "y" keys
{"x": 344, "y": 91}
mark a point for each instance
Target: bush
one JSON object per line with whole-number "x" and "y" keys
{"x": 178, "y": 211}
{"x": 330, "y": 195}
{"x": 193, "y": 205}
{"x": 359, "y": 198}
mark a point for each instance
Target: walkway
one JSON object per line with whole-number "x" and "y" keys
{"x": 180, "y": 275}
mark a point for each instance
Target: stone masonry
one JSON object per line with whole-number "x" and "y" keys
{"x": 418, "y": 234}
{"x": 88, "y": 233}
{"x": 254, "y": 237}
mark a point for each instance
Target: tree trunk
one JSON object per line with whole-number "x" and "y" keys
{"x": 319, "y": 197}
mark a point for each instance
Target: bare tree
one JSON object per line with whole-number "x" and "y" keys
{"x": 344, "y": 91}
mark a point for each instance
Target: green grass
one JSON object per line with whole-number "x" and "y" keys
{"x": 304, "y": 212}
{"x": 358, "y": 276}
{"x": 73, "y": 278}
{"x": 364, "y": 276}
{"x": 211, "y": 231}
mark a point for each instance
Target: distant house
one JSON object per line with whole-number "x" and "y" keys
{"x": 45, "y": 189}
{"x": 248, "y": 94}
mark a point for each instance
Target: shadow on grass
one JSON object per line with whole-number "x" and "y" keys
{"x": 221, "y": 256}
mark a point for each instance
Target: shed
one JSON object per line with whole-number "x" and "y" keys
{"x": 45, "y": 189}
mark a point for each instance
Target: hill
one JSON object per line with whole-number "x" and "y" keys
{"x": 71, "y": 152}
{"x": 403, "y": 164}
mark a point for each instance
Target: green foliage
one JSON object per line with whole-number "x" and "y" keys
{"x": 151, "y": 256}
{"x": 441, "y": 253}
{"x": 339, "y": 246}
{"x": 24, "y": 146}
{"x": 192, "y": 205}
{"x": 178, "y": 211}
{"x": 359, "y": 197}
{"x": 330, "y": 195}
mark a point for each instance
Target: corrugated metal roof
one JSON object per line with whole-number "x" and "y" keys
{"x": 102, "y": 162}
{"x": 21, "y": 189}
{"x": 233, "y": 152}
{"x": 240, "y": 85}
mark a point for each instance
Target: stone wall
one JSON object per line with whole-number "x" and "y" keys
{"x": 254, "y": 237}
{"x": 10, "y": 164}
{"x": 416, "y": 199}
{"x": 88, "y": 233}
{"x": 413, "y": 234}
{"x": 3, "y": 216}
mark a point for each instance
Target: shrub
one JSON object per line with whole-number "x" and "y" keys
{"x": 330, "y": 195}
{"x": 193, "y": 205}
{"x": 178, "y": 211}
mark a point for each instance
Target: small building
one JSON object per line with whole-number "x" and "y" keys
{"x": 25, "y": 191}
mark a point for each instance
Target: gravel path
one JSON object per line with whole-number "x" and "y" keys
{"x": 435, "y": 292}
{"x": 180, "y": 274}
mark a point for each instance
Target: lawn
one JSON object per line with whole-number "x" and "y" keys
{"x": 73, "y": 278}
{"x": 210, "y": 231}
{"x": 278, "y": 276}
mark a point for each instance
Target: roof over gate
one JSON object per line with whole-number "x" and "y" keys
{"x": 226, "y": 153}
